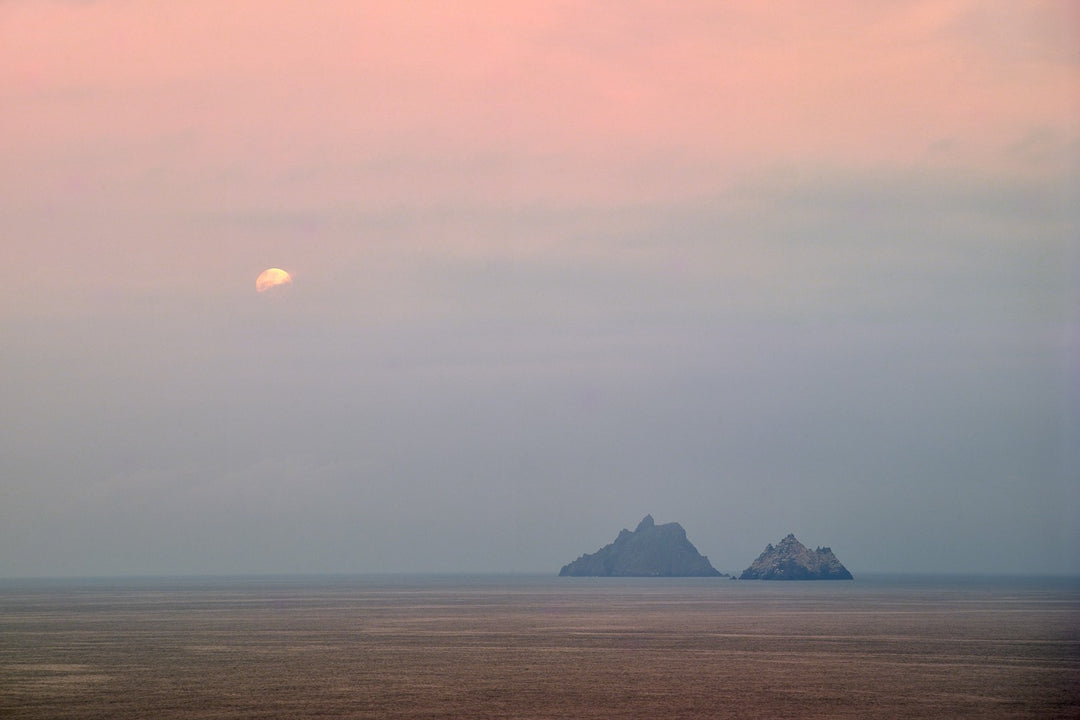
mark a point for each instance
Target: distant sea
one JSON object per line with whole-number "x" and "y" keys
{"x": 438, "y": 646}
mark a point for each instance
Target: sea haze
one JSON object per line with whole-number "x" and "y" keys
{"x": 554, "y": 265}
{"x": 542, "y": 647}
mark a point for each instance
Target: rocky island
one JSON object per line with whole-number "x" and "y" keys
{"x": 650, "y": 551}
{"x": 791, "y": 560}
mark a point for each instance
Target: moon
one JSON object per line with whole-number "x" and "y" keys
{"x": 271, "y": 278}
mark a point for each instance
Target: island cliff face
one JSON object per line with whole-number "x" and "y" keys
{"x": 650, "y": 551}
{"x": 791, "y": 560}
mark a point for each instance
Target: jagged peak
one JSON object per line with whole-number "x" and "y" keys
{"x": 791, "y": 560}
{"x": 791, "y": 543}
{"x": 649, "y": 551}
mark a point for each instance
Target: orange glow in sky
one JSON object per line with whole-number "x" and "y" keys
{"x": 270, "y": 278}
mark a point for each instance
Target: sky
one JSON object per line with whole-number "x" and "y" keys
{"x": 748, "y": 267}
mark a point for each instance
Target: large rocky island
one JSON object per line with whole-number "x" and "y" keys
{"x": 791, "y": 560}
{"x": 650, "y": 551}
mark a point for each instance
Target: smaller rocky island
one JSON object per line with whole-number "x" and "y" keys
{"x": 650, "y": 551}
{"x": 791, "y": 560}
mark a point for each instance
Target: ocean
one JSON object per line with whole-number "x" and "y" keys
{"x": 539, "y": 647}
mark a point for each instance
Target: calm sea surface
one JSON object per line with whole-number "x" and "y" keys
{"x": 539, "y": 647}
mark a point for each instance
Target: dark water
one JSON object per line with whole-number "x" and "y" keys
{"x": 531, "y": 647}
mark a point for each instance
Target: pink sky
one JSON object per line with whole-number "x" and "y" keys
{"x": 143, "y": 112}
{"x": 388, "y": 103}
